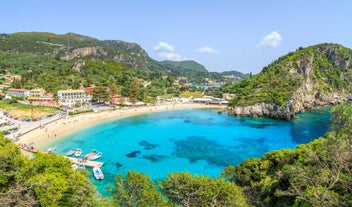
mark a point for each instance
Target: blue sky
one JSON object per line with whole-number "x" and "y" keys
{"x": 243, "y": 35}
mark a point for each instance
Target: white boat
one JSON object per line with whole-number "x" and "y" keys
{"x": 51, "y": 149}
{"x": 95, "y": 156}
{"x": 89, "y": 154}
{"x": 78, "y": 152}
{"x": 98, "y": 174}
{"x": 70, "y": 153}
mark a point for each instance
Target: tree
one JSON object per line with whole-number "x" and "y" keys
{"x": 186, "y": 190}
{"x": 100, "y": 94}
{"x": 135, "y": 91}
{"x": 136, "y": 190}
{"x": 45, "y": 180}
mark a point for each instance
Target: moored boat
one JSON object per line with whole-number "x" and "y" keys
{"x": 98, "y": 174}
{"x": 95, "y": 156}
{"x": 89, "y": 154}
{"x": 78, "y": 152}
{"x": 70, "y": 152}
{"x": 51, "y": 149}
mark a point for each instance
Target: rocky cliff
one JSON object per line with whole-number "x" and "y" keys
{"x": 321, "y": 75}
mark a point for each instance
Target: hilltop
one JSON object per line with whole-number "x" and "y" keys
{"x": 303, "y": 80}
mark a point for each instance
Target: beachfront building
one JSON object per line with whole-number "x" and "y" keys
{"x": 118, "y": 100}
{"x": 39, "y": 96}
{"x": 210, "y": 100}
{"x": 70, "y": 98}
{"x": 17, "y": 92}
{"x": 38, "y": 92}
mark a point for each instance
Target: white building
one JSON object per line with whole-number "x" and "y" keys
{"x": 71, "y": 97}
{"x": 17, "y": 92}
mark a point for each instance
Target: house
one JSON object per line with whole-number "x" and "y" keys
{"x": 16, "y": 92}
{"x": 70, "y": 98}
{"x": 117, "y": 99}
{"x": 90, "y": 90}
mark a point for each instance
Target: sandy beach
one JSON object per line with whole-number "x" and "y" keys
{"x": 53, "y": 131}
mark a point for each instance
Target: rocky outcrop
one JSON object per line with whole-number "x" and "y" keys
{"x": 84, "y": 52}
{"x": 314, "y": 91}
{"x": 298, "y": 105}
{"x": 263, "y": 109}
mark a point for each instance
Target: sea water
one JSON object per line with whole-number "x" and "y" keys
{"x": 199, "y": 141}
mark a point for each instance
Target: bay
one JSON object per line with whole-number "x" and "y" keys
{"x": 199, "y": 141}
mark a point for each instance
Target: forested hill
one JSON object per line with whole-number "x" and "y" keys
{"x": 73, "y": 46}
{"x": 310, "y": 77}
{"x": 32, "y": 48}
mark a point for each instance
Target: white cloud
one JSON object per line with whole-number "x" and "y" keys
{"x": 167, "y": 51}
{"x": 207, "y": 49}
{"x": 271, "y": 40}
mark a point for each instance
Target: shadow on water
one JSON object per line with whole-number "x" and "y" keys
{"x": 196, "y": 148}
{"x": 311, "y": 125}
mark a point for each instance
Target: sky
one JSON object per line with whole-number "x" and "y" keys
{"x": 222, "y": 35}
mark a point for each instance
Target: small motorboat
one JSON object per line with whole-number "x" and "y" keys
{"x": 70, "y": 153}
{"x": 89, "y": 154}
{"x": 95, "y": 156}
{"x": 98, "y": 174}
{"x": 51, "y": 149}
{"x": 78, "y": 152}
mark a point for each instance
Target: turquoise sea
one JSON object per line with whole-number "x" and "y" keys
{"x": 199, "y": 141}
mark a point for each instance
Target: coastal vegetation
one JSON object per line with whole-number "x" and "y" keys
{"x": 314, "y": 174}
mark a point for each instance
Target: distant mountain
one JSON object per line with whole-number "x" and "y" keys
{"x": 187, "y": 65}
{"x": 303, "y": 80}
{"x": 234, "y": 73}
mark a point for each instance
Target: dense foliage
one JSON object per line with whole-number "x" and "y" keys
{"x": 177, "y": 189}
{"x": 328, "y": 66}
{"x": 45, "y": 180}
{"x": 315, "y": 174}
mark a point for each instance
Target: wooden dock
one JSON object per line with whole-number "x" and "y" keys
{"x": 87, "y": 163}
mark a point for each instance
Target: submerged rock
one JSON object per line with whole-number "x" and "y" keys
{"x": 196, "y": 148}
{"x": 118, "y": 165}
{"x": 146, "y": 145}
{"x": 133, "y": 154}
{"x": 155, "y": 157}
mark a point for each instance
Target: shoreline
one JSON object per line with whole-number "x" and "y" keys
{"x": 54, "y": 131}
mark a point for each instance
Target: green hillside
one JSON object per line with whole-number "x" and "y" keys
{"x": 322, "y": 69}
{"x": 37, "y": 50}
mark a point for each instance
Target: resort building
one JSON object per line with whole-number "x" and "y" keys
{"x": 15, "y": 92}
{"x": 38, "y": 92}
{"x": 40, "y": 97}
{"x": 70, "y": 98}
